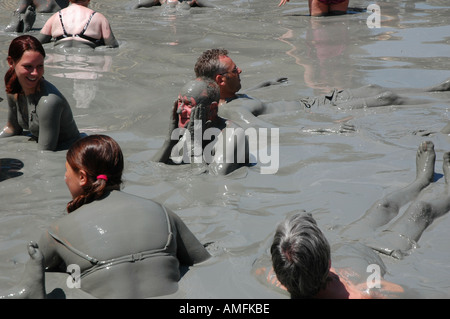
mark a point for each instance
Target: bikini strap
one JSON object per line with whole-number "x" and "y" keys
{"x": 62, "y": 24}
{"x": 87, "y": 23}
{"x": 100, "y": 264}
{"x": 92, "y": 260}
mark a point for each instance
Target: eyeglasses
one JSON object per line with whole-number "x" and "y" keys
{"x": 235, "y": 71}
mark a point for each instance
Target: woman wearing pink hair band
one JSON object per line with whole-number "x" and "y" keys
{"x": 324, "y": 7}
{"x": 125, "y": 246}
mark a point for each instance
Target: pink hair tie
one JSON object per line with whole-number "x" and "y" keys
{"x": 102, "y": 177}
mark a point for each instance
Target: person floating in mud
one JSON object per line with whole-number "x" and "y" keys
{"x": 78, "y": 26}
{"x": 302, "y": 257}
{"x": 29, "y": 8}
{"x": 244, "y": 109}
{"x": 193, "y": 114}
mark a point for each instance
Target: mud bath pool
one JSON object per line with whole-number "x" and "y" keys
{"x": 127, "y": 92}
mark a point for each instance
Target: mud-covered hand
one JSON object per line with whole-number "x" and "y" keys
{"x": 173, "y": 124}
{"x": 197, "y": 120}
{"x": 195, "y": 128}
{"x": 267, "y": 83}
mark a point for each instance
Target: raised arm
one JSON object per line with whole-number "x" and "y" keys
{"x": 164, "y": 152}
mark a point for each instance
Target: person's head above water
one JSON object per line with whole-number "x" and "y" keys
{"x": 201, "y": 92}
{"x": 26, "y": 65}
{"x": 94, "y": 166}
{"x": 301, "y": 256}
{"x": 218, "y": 66}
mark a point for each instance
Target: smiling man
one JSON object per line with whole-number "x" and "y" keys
{"x": 197, "y": 135}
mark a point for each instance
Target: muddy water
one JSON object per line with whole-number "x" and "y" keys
{"x": 127, "y": 93}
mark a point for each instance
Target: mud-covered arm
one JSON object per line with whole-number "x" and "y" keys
{"x": 44, "y": 38}
{"x": 49, "y": 111}
{"x": 244, "y": 112}
{"x": 231, "y": 138}
{"x": 12, "y": 125}
{"x": 45, "y": 35}
{"x": 190, "y": 250}
{"x": 136, "y": 4}
{"x": 164, "y": 152}
{"x": 275, "y": 81}
{"x": 107, "y": 33}
{"x": 47, "y": 245}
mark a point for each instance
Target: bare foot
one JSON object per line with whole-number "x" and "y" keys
{"x": 28, "y": 19}
{"x": 425, "y": 160}
{"x": 16, "y": 24}
{"x": 32, "y": 285}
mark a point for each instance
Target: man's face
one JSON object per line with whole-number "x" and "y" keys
{"x": 192, "y": 95}
{"x": 230, "y": 79}
{"x": 185, "y": 105}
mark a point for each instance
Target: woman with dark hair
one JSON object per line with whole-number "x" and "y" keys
{"x": 36, "y": 105}
{"x": 125, "y": 246}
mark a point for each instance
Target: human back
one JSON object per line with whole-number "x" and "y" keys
{"x": 78, "y": 24}
{"x": 125, "y": 246}
{"x": 117, "y": 229}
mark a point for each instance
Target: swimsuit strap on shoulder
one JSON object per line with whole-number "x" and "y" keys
{"x": 87, "y": 23}
{"x": 62, "y": 24}
{"x": 99, "y": 264}
{"x": 92, "y": 260}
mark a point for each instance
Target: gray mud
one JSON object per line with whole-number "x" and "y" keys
{"x": 128, "y": 92}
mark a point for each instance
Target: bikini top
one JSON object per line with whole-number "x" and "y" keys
{"x": 96, "y": 42}
{"x": 100, "y": 264}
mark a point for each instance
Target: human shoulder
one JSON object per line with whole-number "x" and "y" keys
{"x": 50, "y": 91}
{"x": 99, "y": 15}
{"x": 11, "y": 98}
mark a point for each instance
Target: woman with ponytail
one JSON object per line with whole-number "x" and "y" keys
{"x": 125, "y": 246}
{"x": 36, "y": 107}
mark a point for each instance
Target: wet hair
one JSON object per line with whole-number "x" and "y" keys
{"x": 96, "y": 155}
{"x": 204, "y": 90}
{"x": 208, "y": 64}
{"x": 16, "y": 50}
{"x": 301, "y": 256}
